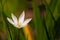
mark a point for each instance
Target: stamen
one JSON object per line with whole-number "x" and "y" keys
{"x": 19, "y": 24}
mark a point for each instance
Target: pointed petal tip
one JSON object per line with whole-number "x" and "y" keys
{"x": 12, "y": 14}
{"x": 21, "y": 18}
{"x": 7, "y": 18}
{"x": 23, "y": 13}
{"x": 10, "y": 21}
{"x": 26, "y": 21}
{"x": 30, "y": 19}
{"x": 14, "y": 18}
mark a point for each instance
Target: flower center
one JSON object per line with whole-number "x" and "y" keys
{"x": 19, "y": 24}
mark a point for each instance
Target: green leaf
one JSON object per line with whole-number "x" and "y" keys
{"x": 41, "y": 33}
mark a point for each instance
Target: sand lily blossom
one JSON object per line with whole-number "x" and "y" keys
{"x": 19, "y": 23}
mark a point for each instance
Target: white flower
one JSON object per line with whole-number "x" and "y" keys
{"x": 19, "y": 23}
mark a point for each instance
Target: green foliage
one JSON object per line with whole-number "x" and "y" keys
{"x": 47, "y": 28}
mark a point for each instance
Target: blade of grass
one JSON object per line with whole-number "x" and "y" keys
{"x": 4, "y": 19}
{"x": 41, "y": 34}
{"x": 53, "y": 4}
{"x": 50, "y": 21}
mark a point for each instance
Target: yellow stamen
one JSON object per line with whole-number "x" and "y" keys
{"x": 19, "y": 24}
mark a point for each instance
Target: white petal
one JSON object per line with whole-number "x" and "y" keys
{"x": 16, "y": 26}
{"x": 21, "y": 18}
{"x": 21, "y": 26}
{"x": 14, "y": 19}
{"x": 26, "y": 22}
{"x": 9, "y": 20}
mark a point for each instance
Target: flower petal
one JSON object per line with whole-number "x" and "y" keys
{"x": 21, "y": 18}
{"x": 16, "y": 26}
{"x": 9, "y": 20}
{"x": 14, "y": 19}
{"x": 26, "y": 22}
{"x": 21, "y": 26}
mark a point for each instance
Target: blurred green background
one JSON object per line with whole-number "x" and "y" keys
{"x": 45, "y": 23}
